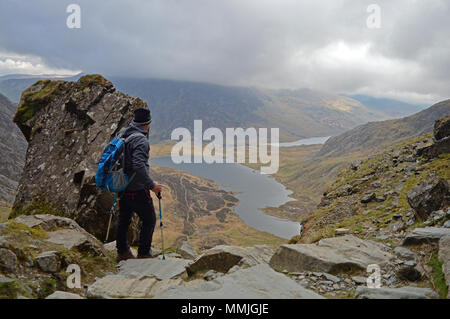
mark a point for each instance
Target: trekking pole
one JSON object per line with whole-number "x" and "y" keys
{"x": 161, "y": 224}
{"x": 111, "y": 213}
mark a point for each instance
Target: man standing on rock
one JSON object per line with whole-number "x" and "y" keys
{"x": 136, "y": 197}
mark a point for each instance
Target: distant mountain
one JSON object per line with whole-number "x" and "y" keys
{"x": 376, "y": 135}
{"x": 13, "y": 147}
{"x": 390, "y": 107}
{"x": 298, "y": 113}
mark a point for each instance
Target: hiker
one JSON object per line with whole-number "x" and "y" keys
{"x": 136, "y": 197}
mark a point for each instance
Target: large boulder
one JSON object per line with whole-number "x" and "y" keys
{"x": 222, "y": 258}
{"x": 425, "y": 235}
{"x": 428, "y": 196}
{"x": 441, "y": 143}
{"x": 140, "y": 278}
{"x": 363, "y": 292}
{"x": 257, "y": 282}
{"x": 442, "y": 128}
{"x": 67, "y": 126}
{"x": 187, "y": 250}
{"x": 444, "y": 256}
{"x": 330, "y": 255}
{"x": 8, "y": 261}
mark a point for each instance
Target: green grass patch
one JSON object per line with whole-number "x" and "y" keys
{"x": 36, "y": 232}
{"x": 11, "y": 290}
{"x": 33, "y": 101}
{"x": 47, "y": 288}
{"x": 438, "y": 276}
{"x": 4, "y": 213}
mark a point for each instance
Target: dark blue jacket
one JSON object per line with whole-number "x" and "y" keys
{"x": 136, "y": 158}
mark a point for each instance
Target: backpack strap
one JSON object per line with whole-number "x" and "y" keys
{"x": 126, "y": 140}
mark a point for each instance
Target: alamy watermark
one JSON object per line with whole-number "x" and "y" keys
{"x": 213, "y": 152}
{"x": 74, "y": 279}
{"x": 374, "y": 19}
{"x": 374, "y": 279}
{"x": 73, "y": 21}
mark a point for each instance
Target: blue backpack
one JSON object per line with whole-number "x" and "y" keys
{"x": 110, "y": 170}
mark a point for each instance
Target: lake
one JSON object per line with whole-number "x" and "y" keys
{"x": 254, "y": 190}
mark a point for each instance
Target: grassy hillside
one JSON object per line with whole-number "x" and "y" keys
{"x": 341, "y": 206}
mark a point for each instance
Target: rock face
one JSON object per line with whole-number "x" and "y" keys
{"x": 428, "y": 196}
{"x": 223, "y": 258}
{"x": 67, "y": 125}
{"x": 395, "y": 293}
{"x": 442, "y": 128}
{"x": 331, "y": 255}
{"x": 13, "y": 146}
{"x": 444, "y": 256}
{"x": 257, "y": 282}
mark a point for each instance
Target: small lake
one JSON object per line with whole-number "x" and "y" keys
{"x": 253, "y": 189}
{"x": 306, "y": 141}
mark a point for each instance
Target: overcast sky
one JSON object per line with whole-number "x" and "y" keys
{"x": 323, "y": 45}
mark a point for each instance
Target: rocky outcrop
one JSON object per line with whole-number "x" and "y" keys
{"x": 72, "y": 236}
{"x": 429, "y": 196}
{"x": 330, "y": 255}
{"x": 187, "y": 250}
{"x": 425, "y": 235}
{"x": 67, "y": 126}
{"x": 34, "y": 265}
{"x": 444, "y": 256}
{"x": 442, "y": 128}
{"x": 441, "y": 143}
{"x": 223, "y": 258}
{"x": 257, "y": 282}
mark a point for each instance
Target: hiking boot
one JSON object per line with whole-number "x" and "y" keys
{"x": 144, "y": 256}
{"x": 124, "y": 256}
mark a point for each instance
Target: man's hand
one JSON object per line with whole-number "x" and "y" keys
{"x": 157, "y": 188}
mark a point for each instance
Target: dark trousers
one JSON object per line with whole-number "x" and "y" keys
{"x": 141, "y": 203}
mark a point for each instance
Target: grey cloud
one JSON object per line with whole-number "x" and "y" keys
{"x": 252, "y": 42}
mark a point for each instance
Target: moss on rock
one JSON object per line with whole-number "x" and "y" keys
{"x": 37, "y": 206}
{"x": 93, "y": 79}
{"x": 35, "y": 98}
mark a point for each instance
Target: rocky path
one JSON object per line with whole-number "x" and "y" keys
{"x": 35, "y": 251}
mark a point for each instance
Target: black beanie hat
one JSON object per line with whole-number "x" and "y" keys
{"x": 142, "y": 116}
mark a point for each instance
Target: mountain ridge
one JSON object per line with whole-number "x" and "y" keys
{"x": 376, "y": 135}
{"x": 298, "y": 113}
